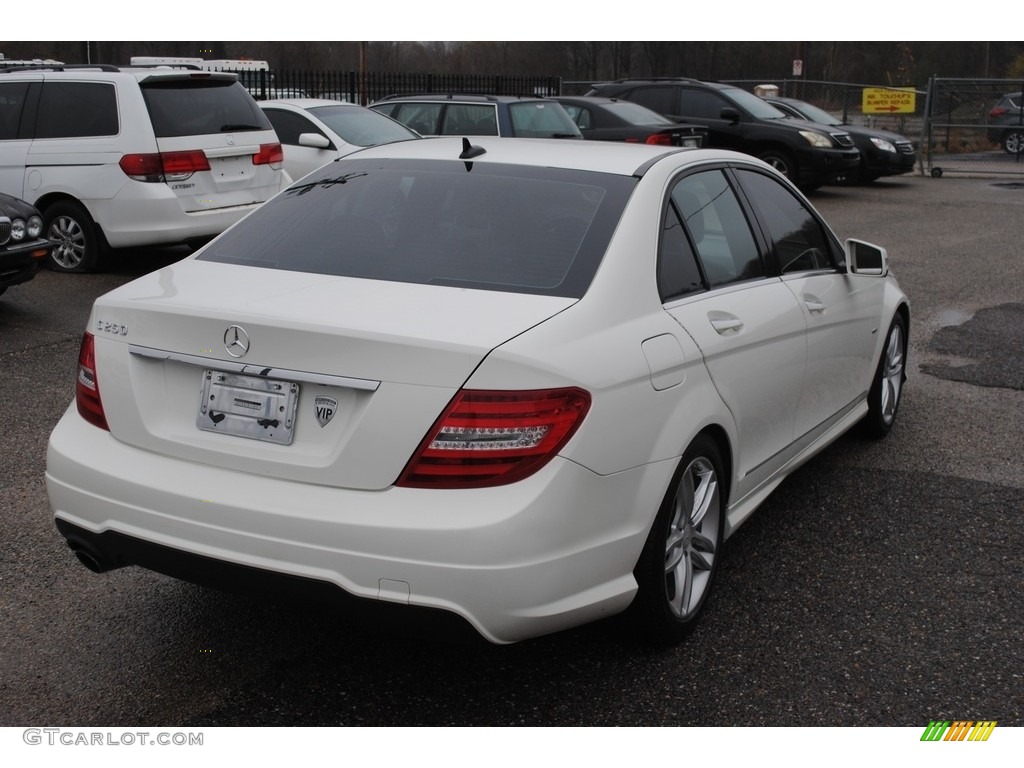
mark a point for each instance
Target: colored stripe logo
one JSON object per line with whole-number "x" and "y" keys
{"x": 958, "y": 730}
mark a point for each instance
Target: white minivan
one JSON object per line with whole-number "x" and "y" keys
{"x": 116, "y": 157}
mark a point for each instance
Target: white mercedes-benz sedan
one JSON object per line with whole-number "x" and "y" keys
{"x": 524, "y": 383}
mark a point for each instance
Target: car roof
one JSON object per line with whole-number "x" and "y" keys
{"x": 476, "y": 98}
{"x": 593, "y": 99}
{"x": 619, "y": 158}
{"x": 306, "y": 103}
{"x": 110, "y": 73}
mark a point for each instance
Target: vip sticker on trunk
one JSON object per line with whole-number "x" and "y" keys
{"x": 326, "y": 407}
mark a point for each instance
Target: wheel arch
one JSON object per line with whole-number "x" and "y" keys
{"x": 52, "y": 198}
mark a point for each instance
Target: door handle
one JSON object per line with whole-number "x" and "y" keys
{"x": 724, "y": 323}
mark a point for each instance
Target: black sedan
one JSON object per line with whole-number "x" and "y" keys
{"x": 882, "y": 153}
{"x": 22, "y": 247}
{"x": 607, "y": 119}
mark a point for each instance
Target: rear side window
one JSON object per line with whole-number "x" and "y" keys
{"x": 73, "y": 110}
{"x": 201, "y": 107}
{"x": 488, "y": 226}
{"x": 718, "y": 228}
{"x": 12, "y": 104}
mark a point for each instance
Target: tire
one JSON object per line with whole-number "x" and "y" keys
{"x": 887, "y": 386}
{"x": 680, "y": 558}
{"x": 76, "y": 246}
{"x": 782, "y": 162}
{"x": 1013, "y": 142}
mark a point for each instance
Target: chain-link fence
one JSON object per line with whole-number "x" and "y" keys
{"x": 367, "y": 87}
{"x": 957, "y": 125}
{"x": 973, "y": 126}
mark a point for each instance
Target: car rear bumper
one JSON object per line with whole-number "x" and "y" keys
{"x": 550, "y": 552}
{"x": 157, "y": 218}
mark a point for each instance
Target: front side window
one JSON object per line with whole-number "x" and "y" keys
{"x": 698, "y": 103}
{"x": 470, "y": 119}
{"x": 422, "y": 118}
{"x": 580, "y": 115}
{"x": 661, "y": 99}
{"x": 541, "y": 120}
{"x": 289, "y": 126}
{"x": 718, "y": 228}
{"x": 486, "y": 226}
{"x": 798, "y": 240}
{"x": 73, "y": 110}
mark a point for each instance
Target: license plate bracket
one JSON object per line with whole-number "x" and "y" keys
{"x": 246, "y": 406}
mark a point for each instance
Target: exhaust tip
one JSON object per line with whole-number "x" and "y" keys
{"x": 90, "y": 559}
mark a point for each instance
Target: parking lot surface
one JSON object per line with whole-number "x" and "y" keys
{"x": 880, "y": 585}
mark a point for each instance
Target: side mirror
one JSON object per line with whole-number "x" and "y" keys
{"x": 315, "y": 140}
{"x": 866, "y": 259}
{"x": 731, "y": 114}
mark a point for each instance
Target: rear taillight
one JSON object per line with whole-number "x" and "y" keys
{"x": 87, "y": 388}
{"x": 487, "y": 438}
{"x": 998, "y": 111}
{"x": 269, "y": 154}
{"x": 662, "y": 139}
{"x": 164, "y": 166}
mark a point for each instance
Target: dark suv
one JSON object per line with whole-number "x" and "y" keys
{"x": 1006, "y": 123}
{"x": 807, "y": 153}
{"x": 472, "y": 115}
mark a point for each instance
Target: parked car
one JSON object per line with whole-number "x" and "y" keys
{"x": 1006, "y": 123}
{"x": 809, "y": 154}
{"x": 613, "y": 120}
{"x": 470, "y": 115}
{"x": 117, "y": 157}
{"x": 315, "y": 131}
{"x": 524, "y": 383}
{"x": 22, "y": 245}
{"x": 882, "y": 153}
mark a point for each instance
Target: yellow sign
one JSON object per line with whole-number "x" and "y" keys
{"x": 888, "y": 100}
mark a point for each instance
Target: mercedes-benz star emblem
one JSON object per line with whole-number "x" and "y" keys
{"x": 236, "y": 341}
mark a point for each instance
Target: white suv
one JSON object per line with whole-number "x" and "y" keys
{"x": 117, "y": 157}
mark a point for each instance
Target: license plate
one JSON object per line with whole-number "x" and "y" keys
{"x": 248, "y": 406}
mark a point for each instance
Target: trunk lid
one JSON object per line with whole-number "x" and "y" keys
{"x": 372, "y": 364}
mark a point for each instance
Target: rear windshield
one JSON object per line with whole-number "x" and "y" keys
{"x": 362, "y": 127}
{"x": 474, "y": 225}
{"x": 200, "y": 107}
